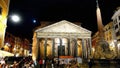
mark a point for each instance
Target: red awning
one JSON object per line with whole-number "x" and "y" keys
{"x": 66, "y": 57}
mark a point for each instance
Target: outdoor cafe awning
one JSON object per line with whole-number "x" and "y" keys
{"x": 65, "y": 57}
{"x": 5, "y": 53}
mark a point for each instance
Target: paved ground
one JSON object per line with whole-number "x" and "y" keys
{"x": 95, "y": 64}
{"x": 87, "y": 66}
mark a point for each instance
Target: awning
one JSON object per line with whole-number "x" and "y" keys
{"x": 5, "y": 53}
{"x": 66, "y": 57}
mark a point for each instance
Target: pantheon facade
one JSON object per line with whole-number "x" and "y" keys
{"x": 62, "y": 38}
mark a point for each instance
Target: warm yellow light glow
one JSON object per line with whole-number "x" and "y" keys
{"x": 118, "y": 46}
{"x": 112, "y": 45}
{"x": 34, "y": 53}
{"x": 49, "y": 51}
{"x": 93, "y": 49}
{"x": 0, "y": 16}
{"x": 80, "y": 51}
{"x": 4, "y": 4}
{"x": 6, "y": 48}
{"x": 2, "y": 33}
{"x": 1, "y": 27}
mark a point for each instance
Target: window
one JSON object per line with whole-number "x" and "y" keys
{"x": 116, "y": 26}
{"x": 119, "y": 23}
{"x": 118, "y": 33}
{"x": 118, "y": 39}
{"x": 115, "y": 21}
{"x": 119, "y": 17}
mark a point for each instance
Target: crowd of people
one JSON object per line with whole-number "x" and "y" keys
{"x": 29, "y": 63}
{"x": 23, "y": 63}
{"x": 3, "y": 63}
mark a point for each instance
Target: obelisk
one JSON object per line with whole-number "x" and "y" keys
{"x": 99, "y": 22}
{"x": 102, "y": 50}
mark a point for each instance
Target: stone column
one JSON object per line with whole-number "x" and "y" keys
{"x": 60, "y": 46}
{"x": 85, "y": 48}
{"x": 35, "y": 47}
{"x": 68, "y": 47}
{"x": 90, "y": 47}
{"x": 45, "y": 48}
{"x": 82, "y": 48}
{"x": 71, "y": 47}
{"x": 53, "y": 47}
{"x": 45, "y": 52}
{"x": 76, "y": 48}
{"x": 38, "y": 45}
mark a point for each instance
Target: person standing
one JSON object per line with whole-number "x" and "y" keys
{"x": 15, "y": 65}
{"x": 89, "y": 63}
{"x": 52, "y": 63}
{"x": 40, "y": 62}
{"x": 0, "y": 65}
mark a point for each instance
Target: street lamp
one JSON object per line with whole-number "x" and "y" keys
{"x": 15, "y": 18}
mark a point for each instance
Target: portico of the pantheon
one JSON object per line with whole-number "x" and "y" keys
{"x": 61, "y": 39}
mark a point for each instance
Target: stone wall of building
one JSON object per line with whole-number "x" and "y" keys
{"x": 4, "y": 5}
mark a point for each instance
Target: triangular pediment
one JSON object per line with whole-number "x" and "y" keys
{"x": 63, "y": 26}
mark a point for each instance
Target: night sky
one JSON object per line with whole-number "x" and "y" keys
{"x": 83, "y": 11}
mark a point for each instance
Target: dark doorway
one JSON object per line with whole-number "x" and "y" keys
{"x": 61, "y": 50}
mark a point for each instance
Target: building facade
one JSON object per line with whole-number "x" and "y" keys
{"x": 110, "y": 36}
{"x": 4, "y": 8}
{"x": 61, "y": 39}
{"x": 116, "y": 23}
{"x": 95, "y": 39}
{"x": 16, "y": 45}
